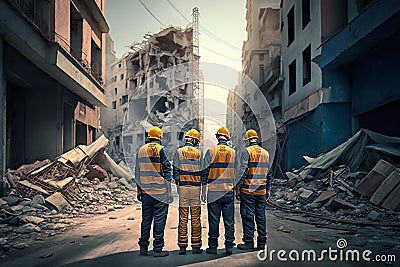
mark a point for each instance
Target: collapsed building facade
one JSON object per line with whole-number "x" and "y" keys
{"x": 151, "y": 86}
{"x": 51, "y": 69}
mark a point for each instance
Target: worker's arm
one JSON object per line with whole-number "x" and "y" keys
{"x": 242, "y": 168}
{"x": 166, "y": 167}
{"x": 176, "y": 170}
{"x": 206, "y": 168}
{"x": 137, "y": 179}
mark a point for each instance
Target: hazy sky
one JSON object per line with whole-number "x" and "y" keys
{"x": 129, "y": 21}
{"x": 221, "y": 21}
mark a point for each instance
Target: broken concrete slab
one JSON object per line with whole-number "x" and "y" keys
{"x": 32, "y": 219}
{"x": 375, "y": 178}
{"x": 28, "y": 188}
{"x": 27, "y": 229}
{"x": 95, "y": 171}
{"x": 375, "y": 216}
{"x": 12, "y": 200}
{"x": 58, "y": 201}
{"x": 325, "y": 196}
{"x": 392, "y": 202}
{"x": 37, "y": 199}
{"x": 306, "y": 194}
{"x": 339, "y": 203}
{"x": 384, "y": 190}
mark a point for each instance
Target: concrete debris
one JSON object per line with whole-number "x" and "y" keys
{"x": 375, "y": 216}
{"x": 325, "y": 196}
{"x": 32, "y": 219}
{"x": 58, "y": 201}
{"x": 20, "y": 246}
{"x": 95, "y": 171}
{"x": 27, "y": 229}
{"x": 37, "y": 199}
{"x": 306, "y": 194}
{"x": 338, "y": 203}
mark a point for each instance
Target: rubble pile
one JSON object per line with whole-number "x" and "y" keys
{"x": 44, "y": 197}
{"x": 359, "y": 180}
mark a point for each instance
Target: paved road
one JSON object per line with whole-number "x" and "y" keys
{"x": 101, "y": 241}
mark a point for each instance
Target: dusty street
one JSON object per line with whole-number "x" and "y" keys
{"x": 111, "y": 239}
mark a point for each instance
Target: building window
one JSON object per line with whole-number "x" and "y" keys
{"x": 305, "y": 13}
{"x": 262, "y": 78}
{"x": 292, "y": 77}
{"x": 180, "y": 135}
{"x": 307, "y": 65}
{"x": 119, "y": 65}
{"x": 115, "y": 91}
{"x": 124, "y": 99}
{"x": 114, "y": 104}
{"x": 290, "y": 19}
{"x": 122, "y": 77}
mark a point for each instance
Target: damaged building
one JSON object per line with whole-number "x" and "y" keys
{"x": 153, "y": 82}
{"x": 51, "y": 69}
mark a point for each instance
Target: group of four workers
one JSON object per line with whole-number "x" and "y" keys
{"x": 214, "y": 179}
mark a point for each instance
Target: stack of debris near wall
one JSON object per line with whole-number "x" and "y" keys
{"x": 82, "y": 181}
{"x": 360, "y": 179}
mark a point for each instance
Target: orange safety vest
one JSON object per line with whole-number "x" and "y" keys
{"x": 150, "y": 169}
{"x": 189, "y": 166}
{"x": 222, "y": 168}
{"x": 255, "y": 182}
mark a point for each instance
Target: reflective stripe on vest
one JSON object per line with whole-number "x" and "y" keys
{"x": 151, "y": 175}
{"x": 189, "y": 166}
{"x": 222, "y": 169}
{"x": 255, "y": 182}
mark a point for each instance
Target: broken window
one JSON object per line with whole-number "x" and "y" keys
{"x": 117, "y": 141}
{"x": 292, "y": 77}
{"x": 96, "y": 60}
{"x": 306, "y": 65}
{"x": 261, "y": 74}
{"x": 305, "y": 13}
{"x": 183, "y": 90}
{"x": 124, "y": 99}
{"x": 114, "y": 104}
{"x": 76, "y": 33}
{"x": 119, "y": 65}
{"x": 122, "y": 77}
{"x": 290, "y": 19}
{"x": 180, "y": 135}
{"x": 114, "y": 79}
{"x": 115, "y": 91}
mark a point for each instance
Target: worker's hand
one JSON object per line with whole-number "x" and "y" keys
{"x": 203, "y": 194}
{"x": 139, "y": 195}
{"x": 170, "y": 197}
{"x": 267, "y": 195}
{"x": 237, "y": 193}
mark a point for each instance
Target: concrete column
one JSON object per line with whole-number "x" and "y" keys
{"x": 3, "y": 113}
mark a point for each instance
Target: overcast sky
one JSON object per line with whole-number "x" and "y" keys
{"x": 222, "y": 30}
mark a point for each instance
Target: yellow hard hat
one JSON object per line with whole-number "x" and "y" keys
{"x": 155, "y": 133}
{"x": 250, "y": 134}
{"x": 225, "y": 132}
{"x": 193, "y": 133}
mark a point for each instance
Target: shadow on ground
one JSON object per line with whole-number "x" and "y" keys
{"x": 132, "y": 258}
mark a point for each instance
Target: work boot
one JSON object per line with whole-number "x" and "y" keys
{"x": 211, "y": 251}
{"x": 260, "y": 247}
{"x": 228, "y": 251}
{"x": 182, "y": 250}
{"x": 197, "y": 251}
{"x": 160, "y": 253}
{"x": 245, "y": 247}
{"x": 143, "y": 251}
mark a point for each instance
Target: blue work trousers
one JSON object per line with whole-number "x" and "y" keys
{"x": 224, "y": 206}
{"x": 252, "y": 208}
{"x": 153, "y": 209}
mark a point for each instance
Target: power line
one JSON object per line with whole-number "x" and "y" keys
{"x": 207, "y": 32}
{"x": 159, "y": 21}
{"x": 151, "y": 13}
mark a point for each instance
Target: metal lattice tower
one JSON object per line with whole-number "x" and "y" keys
{"x": 198, "y": 86}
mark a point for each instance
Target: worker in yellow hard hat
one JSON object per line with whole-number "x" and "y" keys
{"x": 153, "y": 178}
{"x": 219, "y": 173}
{"x": 186, "y": 173}
{"x": 252, "y": 190}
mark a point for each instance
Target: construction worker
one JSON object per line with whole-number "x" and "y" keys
{"x": 219, "y": 173}
{"x": 186, "y": 174}
{"x": 253, "y": 190}
{"x": 154, "y": 191}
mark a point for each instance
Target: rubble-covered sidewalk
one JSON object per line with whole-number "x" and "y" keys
{"x": 44, "y": 197}
{"x": 356, "y": 183}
